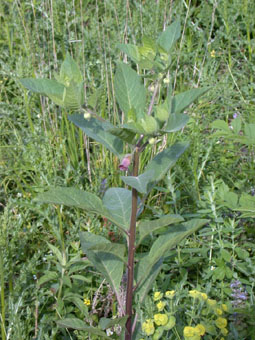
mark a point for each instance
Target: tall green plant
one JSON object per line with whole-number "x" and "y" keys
{"x": 143, "y": 122}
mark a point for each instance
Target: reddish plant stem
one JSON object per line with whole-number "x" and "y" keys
{"x": 131, "y": 252}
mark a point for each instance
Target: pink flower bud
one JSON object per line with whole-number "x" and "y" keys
{"x": 125, "y": 162}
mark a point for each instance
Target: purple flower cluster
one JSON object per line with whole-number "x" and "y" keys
{"x": 239, "y": 294}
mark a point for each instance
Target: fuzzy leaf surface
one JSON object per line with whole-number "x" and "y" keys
{"x": 73, "y": 197}
{"x": 172, "y": 237}
{"x": 163, "y": 161}
{"x": 77, "y": 198}
{"x": 131, "y": 51}
{"x": 140, "y": 182}
{"x": 70, "y": 71}
{"x": 176, "y": 122}
{"x": 129, "y": 90}
{"x": 118, "y": 202}
{"x": 108, "y": 263}
{"x": 149, "y": 226}
{"x": 125, "y": 134}
{"x": 182, "y": 100}
{"x": 145, "y": 274}
{"x": 75, "y": 323}
{"x": 171, "y": 34}
{"x": 98, "y": 130}
{"x": 43, "y": 86}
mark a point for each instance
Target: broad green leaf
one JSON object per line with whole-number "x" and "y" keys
{"x": 44, "y": 86}
{"x": 135, "y": 127}
{"x": 242, "y": 253}
{"x": 225, "y": 255}
{"x": 75, "y": 323}
{"x": 140, "y": 182}
{"x": 176, "y": 121}
{"x": 221, "y": 124}
{"x": 73, "y": 97}
{"x": 126, "y": 135}
{"x": 149, "y": 124}
{"x": 70, "y": 96}
{"x": 247, "y": 201}
{"x": 147, "y": 53}
{"x": 145, "y": 275}
{"x": 73, "y": 197}
{"x": 163, "y": 161}
{"x": 131, "y": 51}
{"x": 70, "y": 71}
{"x": 172, "y": 237}
{"x": 149, "y": 226}
{"x": 231, "y": 200}
{"x": 249, "y": 131}
{"x": 129, "y": 90}
{"x": 247, "y": 205}
{"x": 107, "y": 263}
{"x": 149, "y": 48}
{"x": 171, "y": 34}
{"x": 49, "y": 276}
{"x": 98, "y": 130}
{"x": 118, "y": 202}
{"x": 95, "y": 97}
{"x": 116, "y": 249}
{"x": 182, "y": 100}
{"x": 105, "y": 323}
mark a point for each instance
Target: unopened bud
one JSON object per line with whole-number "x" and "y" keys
{"x": 152, "y": 141}
{"x": 125, "y": 162}
{"x": 151, "y": 88}
{"x": 87, "y": 115}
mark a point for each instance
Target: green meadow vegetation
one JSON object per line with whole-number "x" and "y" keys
{"x": 163, "y": 90}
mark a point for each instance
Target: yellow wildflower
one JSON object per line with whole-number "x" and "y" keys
{"x": 161, "y": 306}
{"x": 213, "y": 54}
{"x": 157, "y": 296}
{"x": 204, "y": 296}
{"x": 194, "y": 293}
{"x": 160, "y": 319}
{"x": 148, "y": 327}
{"x": 224, "y": 331}
{"x": 221, "y": 323}
{"x": 219, "y": 311}
{"x": 224, "y": 307}
{"x": 86, "y": 302}
{"x": 170, "y": 294}
{"x": 188, "y": 331}
{"x": 200, "y": 329}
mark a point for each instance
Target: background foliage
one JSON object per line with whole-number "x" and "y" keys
{"x": 39, "y": 148}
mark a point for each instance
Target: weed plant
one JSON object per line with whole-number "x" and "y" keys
{"x": 40, "y": 148}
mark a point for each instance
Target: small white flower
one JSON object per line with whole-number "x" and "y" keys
{"x": 109, "y": 332}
